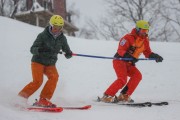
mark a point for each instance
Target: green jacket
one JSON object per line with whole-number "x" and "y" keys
{"x": 46, "y": 40}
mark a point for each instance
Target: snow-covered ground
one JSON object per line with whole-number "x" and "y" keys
{"x": 83, "y": 79}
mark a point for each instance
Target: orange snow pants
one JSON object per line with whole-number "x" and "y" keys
{"x": 123, "y": 70}
{"x": 37, "y": 73}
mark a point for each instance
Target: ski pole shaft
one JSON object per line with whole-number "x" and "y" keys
{"x": 103, "y": 57}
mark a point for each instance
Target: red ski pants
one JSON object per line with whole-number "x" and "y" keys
{"x": 37, "y": 73}
{"x": 123, "y": 70}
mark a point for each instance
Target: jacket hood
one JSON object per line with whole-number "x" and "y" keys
{"x": 133, "y": 31}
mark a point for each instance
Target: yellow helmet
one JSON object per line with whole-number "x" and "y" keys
{"x": 56, "y": 20}
{"x": 142, "y": 24}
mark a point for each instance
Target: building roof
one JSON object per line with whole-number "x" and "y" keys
{"x": 40, "y": 16}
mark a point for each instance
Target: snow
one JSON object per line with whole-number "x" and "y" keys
{"x": 83, "y": 79}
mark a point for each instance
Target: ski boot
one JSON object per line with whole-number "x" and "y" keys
{"x": 107, "y": 99}
{"x": 43, "y": 102}
{"x": 124, "y": 98}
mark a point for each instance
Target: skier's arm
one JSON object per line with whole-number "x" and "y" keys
{"x": 149, "y": 54}
{"x": 66, "y": 48}
{"x": 147, "y": 51}
{"x": 36, "y": 45}
{"x": 123, "y": 46}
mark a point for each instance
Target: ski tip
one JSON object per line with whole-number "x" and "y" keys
{"x": 86, "y": 107}
{"x": 165, "y": 103}
{"x": 160, "y": 103}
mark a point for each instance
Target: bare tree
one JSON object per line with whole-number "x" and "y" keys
{"x": 163, "y": 16}
{"x": 2, "y": 3}
{"x": 122, "y": 16}
{"x": 171, "y": 13}
{"x": 6, "y": 7}
{"x": 10, "y": 7}
{"x": 73, "y": 14}
{"x": 14, "y": 8}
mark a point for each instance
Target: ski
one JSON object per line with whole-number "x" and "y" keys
{"x": 159, "y": 103}
{"x": 41, "y": 109}
{"x": 57, "y": 109}
{"x": 36, "y": 107}
{"x": 143, "y": 104}
{"x": 86, "y": 107}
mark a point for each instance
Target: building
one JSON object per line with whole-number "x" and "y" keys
{"x": 38, "y": 12}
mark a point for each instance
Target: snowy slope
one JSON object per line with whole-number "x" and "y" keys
{"x": 83, "y": 79}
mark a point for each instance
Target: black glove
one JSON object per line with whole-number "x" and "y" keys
{"x": 156, "y": 56}
{"x": 44, "y": 50}
{"x": 127, "y": 55}
{"x": 68, "y": 55}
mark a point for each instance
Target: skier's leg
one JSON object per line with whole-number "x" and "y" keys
{"x": 50, "y": 85}
{"x": 135, "y": 77}
{"x": 37, "y": 74}
{"x": 121, "y": 72}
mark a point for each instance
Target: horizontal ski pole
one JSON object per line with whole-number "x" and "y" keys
{"x": 103, "y": 57}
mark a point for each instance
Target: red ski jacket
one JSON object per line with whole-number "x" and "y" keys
{"x": 141, "y": 45}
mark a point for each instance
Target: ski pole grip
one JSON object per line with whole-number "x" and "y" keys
{"x": 74, "y": 54}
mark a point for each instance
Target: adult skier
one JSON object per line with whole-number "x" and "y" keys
{"x": 130, "y": 46}
{"x": 45, "y": 50}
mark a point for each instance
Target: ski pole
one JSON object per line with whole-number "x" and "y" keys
{"x": 103, "y": 57}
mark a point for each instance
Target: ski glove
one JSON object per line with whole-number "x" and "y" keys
{"x": 156, "y": 56}
{"x": 68, "y": 55}
{"x": 127, "y": 55}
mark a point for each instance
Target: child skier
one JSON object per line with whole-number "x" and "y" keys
{"x": 45, "y": 50}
